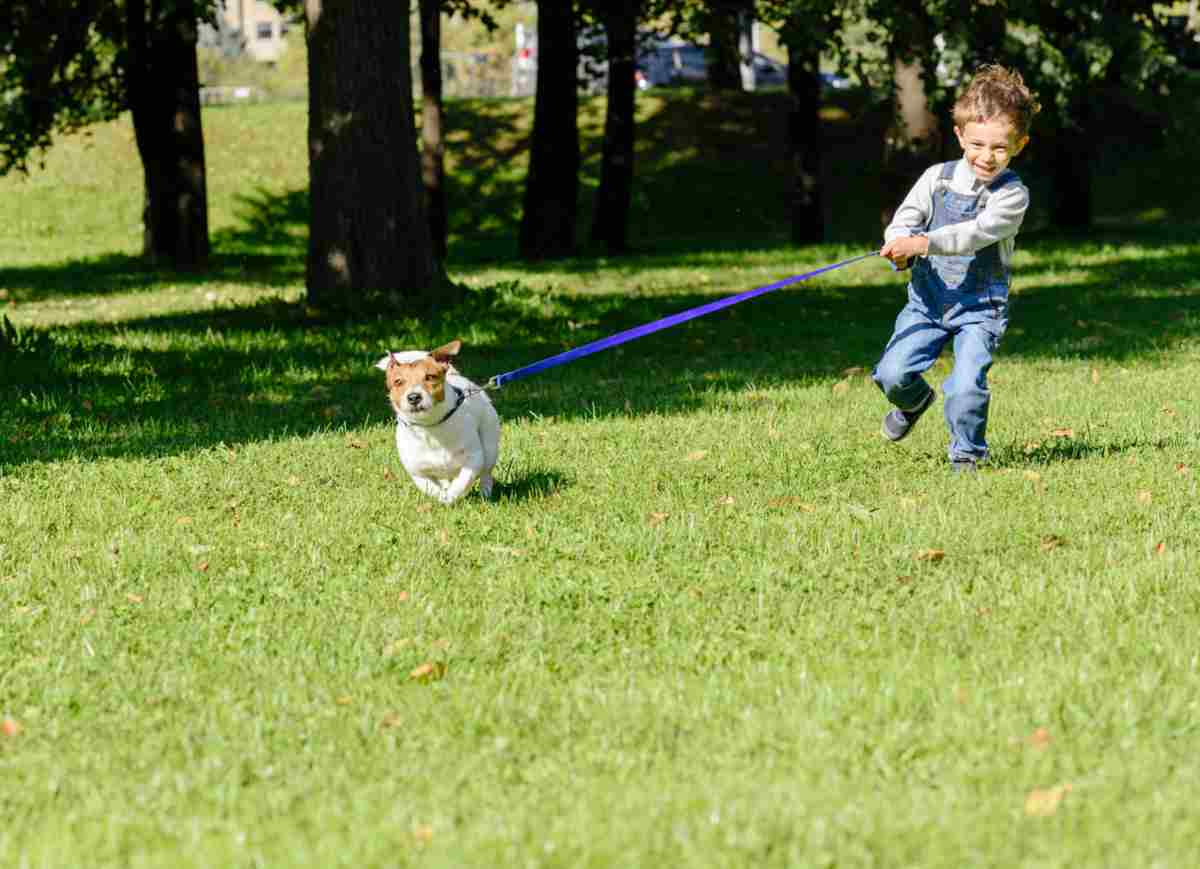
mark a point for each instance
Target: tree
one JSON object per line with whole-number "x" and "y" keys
{"x": 369, "y": 240}
{"x": 610, "y": 222}
{"x": 551, "y": 201}
{"x": 64, "y": 65}
{"x": 433, "y": 158}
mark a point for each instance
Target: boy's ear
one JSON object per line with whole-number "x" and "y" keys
{"x": 1021, "y": 143}
{"x": 446, "y": 352}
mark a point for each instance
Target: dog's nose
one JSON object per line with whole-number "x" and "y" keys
{"x": 414, "y": 398}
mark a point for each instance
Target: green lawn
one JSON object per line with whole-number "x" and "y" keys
{"x": 712, "y": 619}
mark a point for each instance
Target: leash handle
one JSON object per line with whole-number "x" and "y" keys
{"x": 599, "y": 344}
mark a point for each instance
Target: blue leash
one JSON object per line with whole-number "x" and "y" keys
{"x": 658, "y": 325}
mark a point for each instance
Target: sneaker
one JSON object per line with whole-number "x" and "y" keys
{"x": 898, "y": 423}
{"x": 963, "y": 466}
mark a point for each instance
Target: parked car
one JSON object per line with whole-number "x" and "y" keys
{"x": 670, "y": 64}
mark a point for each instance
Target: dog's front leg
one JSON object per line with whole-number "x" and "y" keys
{"x": 432, "y": 488}
{"x": 462, "y": 483}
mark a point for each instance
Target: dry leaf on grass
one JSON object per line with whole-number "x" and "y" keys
{"x": 656, "y": 518}
{"x": 727, "y": 501}
{"x": 1160, "y": 549}
{"x": 423, "y": 833}
{"x": 430, "y": 671}
{"x": 1182, "y": 469}
{"x": 1032, "y": 475}
{"x": 1095, "y": 376}
{"x": 696, "y": 455}
{"x": 134, "y": 598}
{"x": 1040, "y": 738}
{"x": 1043, "y": 803}
{"x": 344, "y": 700}
{"x": 10, "y": 727}
{"x": 184, "y": 520}
{"x": 931, "y": 555}
{"x": 1052, "y": 541}
{"x": 1144, "y": 497}
{"x": 392, "y": 719}
{"x": 1063, "y": 432}
{"x": 841, "y": 386}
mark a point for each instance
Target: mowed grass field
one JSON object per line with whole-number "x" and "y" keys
{"x": 712, "y": 619}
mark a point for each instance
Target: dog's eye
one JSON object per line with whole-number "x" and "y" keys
{"x": 430, "y": 377}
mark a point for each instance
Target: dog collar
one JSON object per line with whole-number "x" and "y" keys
{"x": 462, "y": 396}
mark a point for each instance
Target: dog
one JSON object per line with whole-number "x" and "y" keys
{"x": 447, "y": 431}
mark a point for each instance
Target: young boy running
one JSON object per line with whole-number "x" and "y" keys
{"x": 959, "y": 221}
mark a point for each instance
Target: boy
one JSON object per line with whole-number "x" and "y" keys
{"x": 959, "y": 221}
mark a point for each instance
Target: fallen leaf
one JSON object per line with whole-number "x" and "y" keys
{"x": 134, "y": 598}
{"x": 87, "y": 616}
{"x": 356, "y": 444}
{"x": 657, "y": 518}
{"x": 1063, "y": 432}
{"x": 931, "y": 555}
{"x": 1182, "y": 469}
{"x": 423, "y": 833}
{"x": 402, "y": 597}
{"x": 841, "y": 386}
{"x": 724, "y": 502}
{"x": 202, "y": 566}
{"x": 1032, "y": 475}
{"x": 1040, "y": 738}
{"x": 696, "y": 455}
{"x": 388, "y": 475}
{"x": 1032, "y": 447}
{"x": 10, "y": 727}
{"x": 1095, "y": 376}
{"x": 184, "y": 520}
{"x": 424, "y": 507}
{"x": 444, "y": 537}
{"x": 1052, "y": 541}
{"x": 1160, "y": 548}
{"x": 392, "y": 719}
{"x": 1043, "y": 803}
{"x": 344, "y": 700}
{"x": 904, "y": 580}
{"x": 1144, "y": 497}
{"x": 908, "y": 503}
{"x": 430, "y": 671}
{"x": 1168, "y": 411}
{"x": 293, "y": 480}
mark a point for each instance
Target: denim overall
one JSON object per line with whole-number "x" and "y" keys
{"x": 964, "y": 298}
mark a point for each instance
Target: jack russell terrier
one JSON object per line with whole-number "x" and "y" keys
{"x": 447, "y": 431}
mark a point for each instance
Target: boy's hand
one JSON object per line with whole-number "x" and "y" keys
{"x": 900, "y": 250}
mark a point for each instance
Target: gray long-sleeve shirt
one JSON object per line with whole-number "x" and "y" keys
{"x": 997, "y": 222}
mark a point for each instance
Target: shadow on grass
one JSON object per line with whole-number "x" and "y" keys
{"x": 225, "y": 377}
{"x": 1059, "y": 450}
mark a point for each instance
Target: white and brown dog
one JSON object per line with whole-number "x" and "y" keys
{"x": 447, "y": 431}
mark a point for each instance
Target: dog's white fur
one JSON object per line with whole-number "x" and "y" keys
{"x": 443, "y": 456}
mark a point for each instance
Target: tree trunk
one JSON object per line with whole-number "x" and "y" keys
{"x": 804, "y": 140}
{"x": 551, "y": 201}
{"x": 610, "y": 223}
{"x": 369, "y": 243}
{"x": 433, "y": 146}
{"x": 164, "y": 100}
{"x": 724, "y": 61}
{"x": 913, "y": 141}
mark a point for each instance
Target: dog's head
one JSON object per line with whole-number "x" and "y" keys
{"x": 416, "y": 380}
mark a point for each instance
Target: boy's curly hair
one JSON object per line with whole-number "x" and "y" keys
{"x": 994, "y": 91}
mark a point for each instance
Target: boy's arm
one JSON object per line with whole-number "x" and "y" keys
{"x": 915, "y": 211}
{"x": 1000, "y": 219}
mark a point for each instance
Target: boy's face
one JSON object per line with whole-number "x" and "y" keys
{"x": 989, "y": 146}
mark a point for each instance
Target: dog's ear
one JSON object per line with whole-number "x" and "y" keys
{"x": 447, "y": 352}
{"x": 386, "y": 362}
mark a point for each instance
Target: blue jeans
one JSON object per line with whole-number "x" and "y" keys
{"x": 976, "y": 325}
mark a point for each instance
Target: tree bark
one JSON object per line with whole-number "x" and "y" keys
{"x": 551, "y": 203}
{"x": 913, "y": 141}
{"x": 369, "y": 242}
{"x": 164, "y": 100}
{"x": 804, "y": 141}
{"x": 724, "y": 61}
{"x": 433, "y": 146}
{"x": 610, "y": 223}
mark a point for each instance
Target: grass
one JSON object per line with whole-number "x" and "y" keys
{"x": 712, "y": 618}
